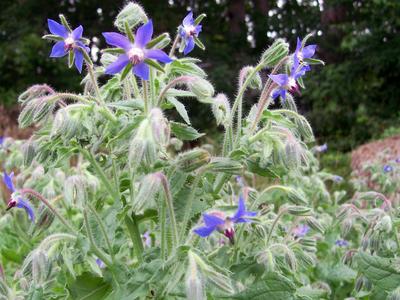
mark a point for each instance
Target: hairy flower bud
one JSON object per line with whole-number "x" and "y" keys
{"x": 266, "y": 258}
{"x": 299, "y": 210}
{"x": 221, "y": 109}
{"x": 28, "y": 150}
{"x": 192, "y": 160}
{"x": 202, "y": 89}
{"x": 194, "y": 281}
{"x": 346, "y": 226}
{"x": 75, "y": 190}
{"x": 132, "y": 14}
{"x": 225, "y": 165}
{"x": 315, "y": 224}
{"x": 385, "y": 224}
{"x": 275, "y": 53}
{"x": 143, "y": 148}
{"x": 394, "y": 295}
{"x": 255, "y": 82}
{"x": 159, "y": 126}
{"x": 148, "y": 190}
{"x": 64, "y": 125}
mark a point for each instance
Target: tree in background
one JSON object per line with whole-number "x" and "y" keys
{"x": 358, "y": 39}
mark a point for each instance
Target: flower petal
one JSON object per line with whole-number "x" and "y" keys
{"x": 280, "y": 79}
{"x": 57, "y": 28}
{"x": 77, "y": 33}
{"x": 204, "y": 231}
{"x": 142, "y": 70}
{"x": 309, "y": 51}
{"x": 78, "y": 60}
{"x": 117, "y": 40}
{"x": 158, "y": 55}
{"x": 144, "y": 34}
{"x": 298, "y": 45}
{"x": 188, "y": 20}
{"x": 28, "y": 208}
{"x": 83, "y": 46}
{"x": 189, "y": 45}
{"x": 7, "y": 179}
{"x": 212, "y": 221}
{"x": 58, "y": 50}
{"x": 117, "y": 65}
{"x": 198, "y": 29}
{"x": 241, "y": 210}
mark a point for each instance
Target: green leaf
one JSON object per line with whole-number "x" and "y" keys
{"x": 272, "y": 287}
{"x": 89, "y": 287}
{"x": 154, "y": 64}
{"x": 180, "y": 108}
{"x": 199, "y": 43}
{"x": 185, "y": 132}
{"x": 126, "y": 71}
{"x": 379, "y": 271}
{"x": 199, "y": 19}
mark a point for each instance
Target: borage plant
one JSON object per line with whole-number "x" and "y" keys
{"x": 115, "y": 208}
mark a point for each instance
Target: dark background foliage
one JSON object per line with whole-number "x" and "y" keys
{"x": 353, "y": 98}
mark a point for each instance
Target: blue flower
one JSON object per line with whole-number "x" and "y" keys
{"x": 287, "y": 82}
{"x": 337, "y": 178}
{"x": 321, "y": 148}
{"x": 100, "y": 263}
{"x": 341, "y": 243}
{"x": 135, "y": 53}
{"x": 188, "y": 31}
{"x": 397, "y": 160}
{"x": 302, "y": 53}
{"x": 71, "y": 41}
{"x": 387, "y": 168}
{"x": 16, "y": 200}
{"x": 217, "y": 221}
{"x": 301, "y": 230}
{"x": 1, "y": 140}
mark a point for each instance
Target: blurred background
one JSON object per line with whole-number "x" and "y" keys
{"x": 351, "y": 100}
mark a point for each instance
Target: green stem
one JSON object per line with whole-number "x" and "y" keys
{"x": 134, "y": 233}
{"x": 103, "y": 231}
{"x": 49, "y": 206}
{"x": 173, "y": 48}
{"x": 95, "y": 84}
{"x": 152, "y": 88}
{"x": 100, "y": 254}
{"x": 145, "y": 96}
{"x": 280, "y": 214}
{"x": 89, "y": 156}
{"x": 163, "y": 225}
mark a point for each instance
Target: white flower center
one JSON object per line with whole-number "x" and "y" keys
{"x": 69, "y": 41}
{"x": 190, "y": 30}
{"x": 300, "y": 56}
{"x": 292, "y": 82}
{"x": 136, "y": 55}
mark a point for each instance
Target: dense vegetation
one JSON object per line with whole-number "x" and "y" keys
{"x": 353, "y": 98}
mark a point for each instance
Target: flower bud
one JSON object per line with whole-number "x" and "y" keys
{"x": 346, "y": 226}
{"x": 266, "y": 258}
{"x": 65, "y": 125}
{"x": 148, "y": 190}
{"x": 177, "y": 144}
{"x": 143, "y": 148}
{"x": 385, "y": 224}
{"x": 395, "y": 295}
{"x": 359, "y": 284}
{"x": 44, "y": 219}
{"x": 75, "y": 190}
{"x": 202, "y": 89}
{"x": 194, "y": 282}
{"x": 315, "y": 224}
{"x": 291, "y": 259}
{"x": 159, "y": 126}
{"x": 255, "y": 82}
{"x": 28, "y": 150}
{"x": 192, "y": 160}
{"x": 299, "y": 210}
{"x": 221, "y": 109}
{"x": 296, "y": 196}
{"x": 132, "y": 14}
{"x": 226, "y": 165}
{"x": 275, "y": 53}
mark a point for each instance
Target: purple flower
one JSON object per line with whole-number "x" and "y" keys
{"x": 341, "y": 243}
{"x": 304, "y": 52}
{"x": 100, "y": 263}
{"x": 188, "y": 31}
{"x": 71, "y": 41}
{"x": 135, "y": 53}
{"x": 321, "y": 148}
{"x": 16, "y": 200}
{"x": 387, "y": 168}
{"x": 1, "y": 140}
{"x": 397, "y": 160}
{"x": 218, "y": 221}
{"x": 301, "y": 230}
{"x": 337, "y": 178}
{"x": 287, "y": 82}
{"x": 146, "y": 239}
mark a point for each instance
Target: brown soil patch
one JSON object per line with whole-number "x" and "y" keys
{"x": 370, "y": 152}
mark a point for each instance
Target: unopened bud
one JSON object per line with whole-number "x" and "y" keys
{"x": 132, "y": 14}
{"x": 299, "y": 210}
{"x": 315, "y": 224}
{"x": 159, "y": 126}
{"x": 395, "y": 295}
{"x": 143, "y": 148}
{"x": 226, "y": 165}
{"x": 359, "y": 284}
{"x": 194, "y": 281}
{"x": 291, "y": 259}
{"x": 275, "y": 53}
{"x": 346, "y": 226}
{"x": 148, "y": 190}
{"x": 192, "y": 160}
{"x": 28, "y": 150}
{"x": 296, "y": 196}
{"x": 75, "y": 190}
{"x": 385, "y": 224}
{"x": 203, "y": 90}
{"x": 255, "y": 82}
{"x": 266, "y": 258}
{"x": 177, "y": 144}
{"x": 221, "y": 109}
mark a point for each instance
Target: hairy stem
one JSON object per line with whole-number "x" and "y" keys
{"x": 173, "y": 48}
{"x": 134, "y": 233}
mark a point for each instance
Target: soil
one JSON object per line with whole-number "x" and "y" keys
{"x": 9, "y": 123}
